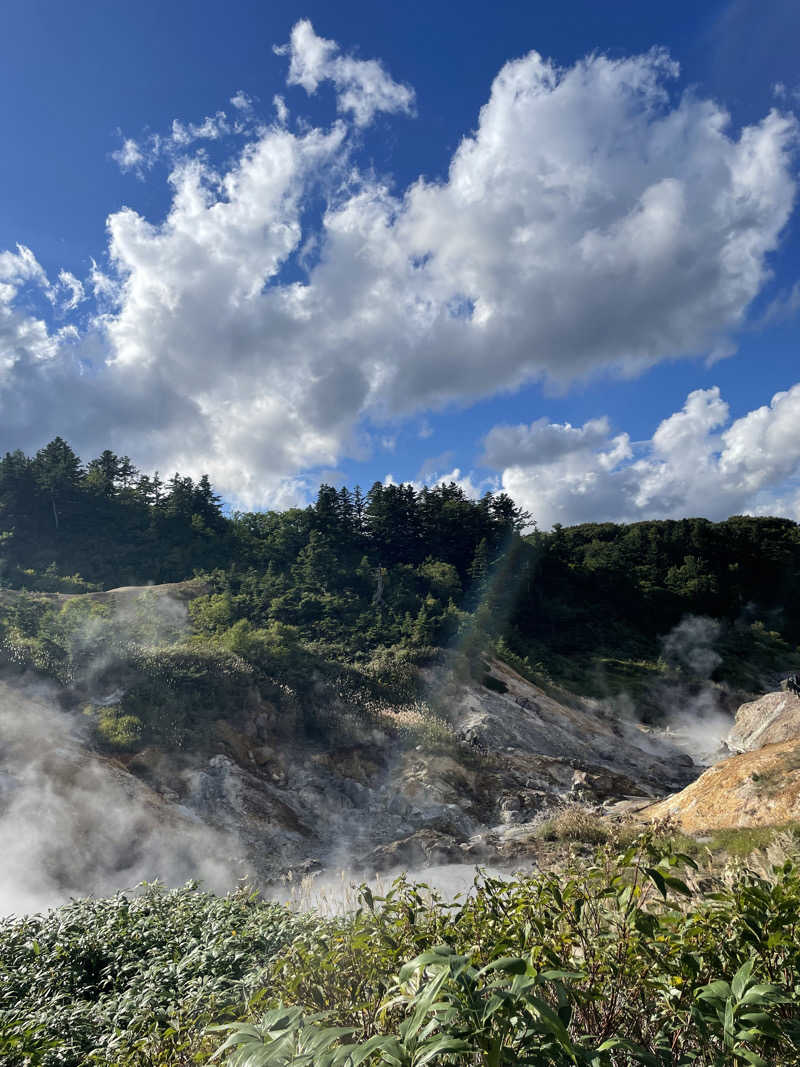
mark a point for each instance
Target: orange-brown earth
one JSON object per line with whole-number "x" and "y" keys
{"x": 760, "y": 788}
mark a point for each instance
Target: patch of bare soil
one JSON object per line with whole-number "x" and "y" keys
{"x": 760, "y": 788}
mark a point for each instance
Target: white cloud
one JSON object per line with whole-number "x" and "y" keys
{"x": 23, "y": 336}
{"x": 18, "y": 269}
{"x": 242, "y": 101}
{"x": 74, "y": 290}
{"x": 363, "y": 87}
{"x": 590, "y": 223}
{"x": 281, "y": 110}
{"x": 142, "y": 155}
{"x": 690, "y": 466}
{"x": 210, "y": 129}
{"x": 106, "y": 290}
{"x": 129, "y": 156}
{"x": 468, "y": 483}
{"x": 542, "y": 442}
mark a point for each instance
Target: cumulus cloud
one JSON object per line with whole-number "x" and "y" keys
{"x": 592, "y": 222}
{"x": 363, "y": 87}
{"x": 432, "y": 474}
{"x": 692, "y": 465}
{"x": 542, "y": 442}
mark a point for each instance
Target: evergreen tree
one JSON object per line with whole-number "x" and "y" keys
{"x": 127, "y": 473}
{"x": 316, "y": 568}
{"x": 359, "y": 508}
{"x": 102, "y": 473}
{"x": 58, "y": 472}
{"x": 207, "y": 503}
{"x": 156, "y": 490}
{"x": 479, "y": 568}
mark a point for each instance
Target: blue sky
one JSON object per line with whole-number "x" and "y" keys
{"x": 327, "y": 262}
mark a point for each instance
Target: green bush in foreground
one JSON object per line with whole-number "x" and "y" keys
{"x": 132, "y": 979}
{"x": 627, "y": 960}
{"x": 619, "y": 963}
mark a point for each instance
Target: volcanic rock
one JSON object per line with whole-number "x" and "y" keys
{"x": 759, "y": 788}
{"x": 773, "y": 718}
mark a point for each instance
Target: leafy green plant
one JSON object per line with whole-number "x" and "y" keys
{"x": 133, "y": 979}
{"x": 619, "y": 962}
{"x": 629, "y": 958}
{"x": 286, "y": 1036}
{"x": 742, "y": 1009}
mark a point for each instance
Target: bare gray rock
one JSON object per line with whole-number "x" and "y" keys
{"x": 271, "y": 802}
{"x": 773, "y": 718}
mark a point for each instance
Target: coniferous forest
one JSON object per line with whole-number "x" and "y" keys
{"x": 399, "y": 568}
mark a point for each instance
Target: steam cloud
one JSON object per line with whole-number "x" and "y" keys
{"x": 695, "y": 714}
{"x": 73, "y": 823}
{"x": 691, "y": 645}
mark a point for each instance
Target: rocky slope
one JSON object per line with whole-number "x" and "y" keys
{"x": 257, "y": 802}
{"x": 759, "y": 786}
{"x": 773, "y": 718}
{"x": 376, "y": 805}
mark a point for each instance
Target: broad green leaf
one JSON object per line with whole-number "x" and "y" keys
{"x": 742, "y": 977}
{"x": 507, "y": 965}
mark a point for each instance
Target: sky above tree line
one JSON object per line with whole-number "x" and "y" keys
{"x": 551, "y": 251}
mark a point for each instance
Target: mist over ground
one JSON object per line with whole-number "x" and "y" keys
{"x": 73, "y": 823}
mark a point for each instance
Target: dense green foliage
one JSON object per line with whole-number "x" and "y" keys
{"x": 67, "y": 527}
{"x": 396, "y": 569}
{"x": 641, "y": 579}
{"x": 100, "y": 980}
{"x": 625, "y": 960}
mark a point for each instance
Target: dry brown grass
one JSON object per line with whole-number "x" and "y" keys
{"x": 402, "y": 718}
{"x": 575, "y": 822}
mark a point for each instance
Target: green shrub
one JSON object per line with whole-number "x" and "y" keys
{"x": 133, "y": 979}
{"x": 116, "y": 730}
{"x": 625, "y": 959}
{"x": 607, "y": 964}
{"x": 176, "y": 692}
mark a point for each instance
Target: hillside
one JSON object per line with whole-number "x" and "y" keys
{"x": 590, "y": 607}
{"x": 408, "y": 683}
{"x": 463, "y": 772}
{"x": 373, "y": 682}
